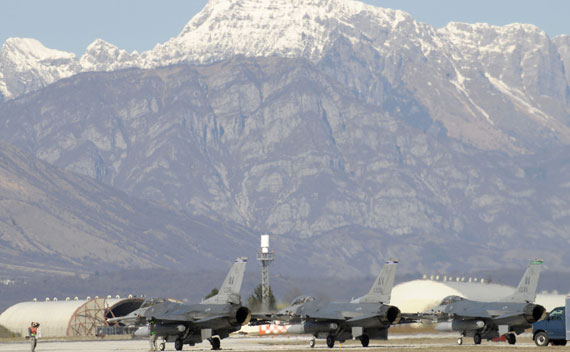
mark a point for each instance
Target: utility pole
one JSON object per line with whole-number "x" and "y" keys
{"x": 265, "y": 257}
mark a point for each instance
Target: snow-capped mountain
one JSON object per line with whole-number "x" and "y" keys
{"x": 490, "y": 86}
{"x": 26, "y": 65}
{"x": 323, "y": 122}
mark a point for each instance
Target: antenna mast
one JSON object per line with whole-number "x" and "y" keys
{"x": 265, "y": 257}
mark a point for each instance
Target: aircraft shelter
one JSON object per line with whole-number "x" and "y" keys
{"x": 69, "y": 317}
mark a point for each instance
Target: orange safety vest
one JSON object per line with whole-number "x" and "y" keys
{"x": 33, "y": 330}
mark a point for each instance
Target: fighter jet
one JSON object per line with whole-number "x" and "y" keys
{"x": 212, "y": 319}
{"x": 364, "y": 318}
{"x": 135, "y": 318}
{"x": 491, "y": 320}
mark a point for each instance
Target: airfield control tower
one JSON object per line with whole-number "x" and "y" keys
{"x": 265, "y": 257}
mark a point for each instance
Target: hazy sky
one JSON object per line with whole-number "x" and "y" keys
{"x": 71, "y": 25}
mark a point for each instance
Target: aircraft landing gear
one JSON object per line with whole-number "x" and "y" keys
{"x": 178, "y": 344}
{"x": 162, "y": 346}
{"x": 312, "y": 342}
{"x": 330, "y": 341}
{"x": 364, "y": 340}
{"x": 511, "y": 339}
{"x": 215, "y": 342}
{"x": 460, "y": 340}
{"x": 477, "y": 338}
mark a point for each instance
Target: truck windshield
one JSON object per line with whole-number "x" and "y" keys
{"x": 556, "y": 314}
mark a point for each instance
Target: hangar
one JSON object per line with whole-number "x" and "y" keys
{"x": 69, "y": 317}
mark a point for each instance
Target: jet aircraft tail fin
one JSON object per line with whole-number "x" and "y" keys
{"x": 382, "y": 288}
{"x": 526, "y": 291}
{"x": 230, "y": 290}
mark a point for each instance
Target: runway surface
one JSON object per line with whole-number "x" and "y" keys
{"x": 401, "y": 343}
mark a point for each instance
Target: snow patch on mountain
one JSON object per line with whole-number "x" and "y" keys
{"x": 26, "y": 65}
{"x": 517, "y": 97}
{"x": 299, "y": 28}
{"x": 103, "y": 56}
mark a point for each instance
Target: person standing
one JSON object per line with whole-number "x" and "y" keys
{"x": 152, "y": 336}
{"x": 33, "y": 332}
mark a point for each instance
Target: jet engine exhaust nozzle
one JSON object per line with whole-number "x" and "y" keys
{"x": 390, "y": 315}
{"x": 534, "y": 312}
{"x": 242, "y": 316}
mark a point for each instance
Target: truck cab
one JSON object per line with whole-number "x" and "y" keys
{"x": 551, "y": 329}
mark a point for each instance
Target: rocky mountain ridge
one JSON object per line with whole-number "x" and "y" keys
{"x": 492, "y": 77}
{"x": 280, "y": 147}
{"x": 358, "y": 132}
{"x": 56, "y": 222}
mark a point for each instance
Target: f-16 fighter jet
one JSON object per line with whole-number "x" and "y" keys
{"x": 490, "y": 320}
{"x": 364, "y": 318}
{"x": 212, "y": 319}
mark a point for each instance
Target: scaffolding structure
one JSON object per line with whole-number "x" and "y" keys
{"x": 265, "y": 257}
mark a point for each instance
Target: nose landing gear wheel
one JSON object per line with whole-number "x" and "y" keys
{"x": 162, "y": 346}
{"x": 330, "y": 341}
{"x": 312, "y": 343}
{"x": 460, "y": 340}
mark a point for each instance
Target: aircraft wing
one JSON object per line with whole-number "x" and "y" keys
{"x": 127, "y": 320}
{"x": 210, "y": 319}
{"x": 324, "y": 315}
{"x": 362, "y": 318}
{"x": 175, "y": 318}
{"x": 265, "y": 318}
{"x": 471, "y": 314}
{"x": 506, "y": 319}
{"x": 408, "y": 318}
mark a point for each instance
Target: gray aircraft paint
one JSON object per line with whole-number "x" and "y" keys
{"x": 486, "y": 320}
{"x": 381, "y": 291}
{"x": 526, "y": 290}
{"x": 212, "y": 319}
{"x": 230, "y": 290}
{"x": 364, "y": 318}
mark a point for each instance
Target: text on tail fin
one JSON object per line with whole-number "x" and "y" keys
{"x": 231, "y": 287}
{"x": 381, "y": 290}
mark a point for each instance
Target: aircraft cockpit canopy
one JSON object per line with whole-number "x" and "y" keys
{"x": 152, "y": 301}
{"x": 450, "y": 299}
{"x": 301, "y": 300}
